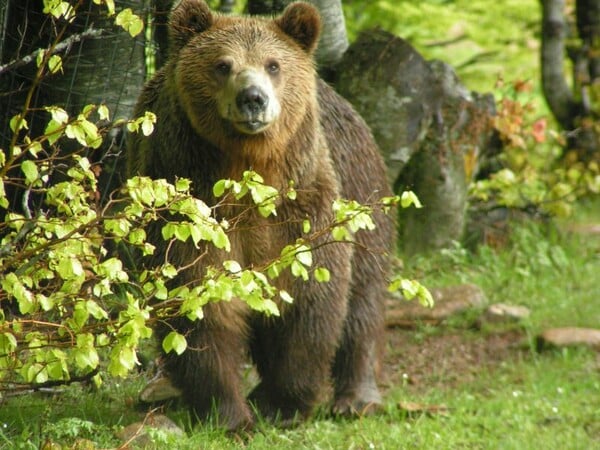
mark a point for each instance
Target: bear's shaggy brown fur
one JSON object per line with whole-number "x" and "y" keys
{"x": 241, "y": 93}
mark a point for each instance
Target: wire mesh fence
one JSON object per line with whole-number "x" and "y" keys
{"x": 102, "y": 64}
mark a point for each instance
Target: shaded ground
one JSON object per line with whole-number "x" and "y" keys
{"x": 447, "y": 358}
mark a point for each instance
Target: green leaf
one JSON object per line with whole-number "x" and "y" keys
{"x": 232, "y": 266}
{"x": 30, "y": 170}
{"x": 103, "y": 112}
{"x": 285, "y": 296}
{"x": 130, "y": 22}
{"x": 182, "y": 185}
{"x": 298, "y": 270}
{"x": 110, "y": 6}
{"x": 174, "y": 342}
{"x": 306, "y": 226}
{"x": 291, "y": 194}
{"x": 35, "y": 148}
{"x": 267, "y": 209}
{"x": 340, "y": 233}
{"x": 59, "y": 8}
{"x": 304, "y": 255}
{"x": 322, "y": 274}
{"x": 122, "y": 360}
{"x": 39, "y": 57}
{"x": 409, "y": 198}
{"x": 95, "y": 310}
{"x": 59, "y": 115}
{"x": 55, "y": 64}
{"x": 3, "y": 199}
{"x": 69, "y": 267}
{"x": 17, "y": 123}
{"x": 8, "y": 343}
{"x": 270, "y": 308}
{"x": 53, "y": 131}
{"x": 220, "y": 187}
{"x": 169, "y": 271}
{"x": 137, "y": 236}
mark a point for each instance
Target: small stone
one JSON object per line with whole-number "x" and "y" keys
{"x": 159, "y": 389}
{"x": 585, "y": 229}
{"x": 412, "y": 408}
{"x": 569, "y": 336}
{"x": 449, "y": 301}
{"x": 503, "y": 313}
{"x": 137, "y": 433}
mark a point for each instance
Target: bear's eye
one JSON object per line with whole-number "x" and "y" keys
{"x": 272, "y": 67}
{"x": 223, "y": 67}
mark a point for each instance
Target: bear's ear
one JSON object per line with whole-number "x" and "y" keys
{"x": 302, "y": 22}
{"x": 188, "y": 18}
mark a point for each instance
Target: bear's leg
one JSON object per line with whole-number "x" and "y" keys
{"x": 357, "y": 359}
{"x": 208, "y": 373}
{"x": 294, "y": 353}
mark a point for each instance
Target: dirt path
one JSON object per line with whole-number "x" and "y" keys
{"x": 447, "y": 358}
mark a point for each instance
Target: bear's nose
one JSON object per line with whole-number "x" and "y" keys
{"x": 252, "y": 100}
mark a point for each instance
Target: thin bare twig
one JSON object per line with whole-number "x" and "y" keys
{"x": 64, "y": 46}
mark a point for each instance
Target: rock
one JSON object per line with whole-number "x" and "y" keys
{"x": 159, "y": 389}
{"x": 413, "y": 409}
{"x": 592, "y": 229}
{"x": 449, "y": 301}
{"x": 383, "y": 76}
{"x": 433, "y": 133}
{"x": 137, "y": 433}
{"x": 503, "y": 313}
{"x": 569, "y": 336}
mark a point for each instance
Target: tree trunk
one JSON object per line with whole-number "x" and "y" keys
{"x": 557, "y": 92}
{"x": 266, "y": 7}
{"x": 160, "y": 16}
{"x": 573, "y": 107}
{"x": 334, "y": 39}
{"x": 588, "y": 24}
{"x": 226, "y": 6}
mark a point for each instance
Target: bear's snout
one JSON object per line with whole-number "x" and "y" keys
{"x": 249, "y": 101}
{"x": 252, "y": 101}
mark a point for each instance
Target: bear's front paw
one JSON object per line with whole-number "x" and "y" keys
{"x": 235, "y": 419}
{"x": 354, "y": 406}
{"x": 285, "y": 413}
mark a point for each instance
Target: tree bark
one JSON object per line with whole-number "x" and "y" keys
{"x": 556, "y": 90}
{"x": 588, "y": 24}
{"x": 226, "y": 6}
{"x": 266, "y": 7}
{"x": 160, "y": 16}
{"x": 334, "y": 39}
{"x": 575, "y": 109}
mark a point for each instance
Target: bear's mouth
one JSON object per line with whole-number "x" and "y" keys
{"x": 251, "y": 126}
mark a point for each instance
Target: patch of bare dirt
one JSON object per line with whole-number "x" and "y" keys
{"x": 447, "y": 359}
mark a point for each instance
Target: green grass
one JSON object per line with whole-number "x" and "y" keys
{"x": 548, "y": 400}
{"x": 552, "y": 272}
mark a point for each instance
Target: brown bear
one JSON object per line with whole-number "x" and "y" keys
{"x": 243, "y": 93}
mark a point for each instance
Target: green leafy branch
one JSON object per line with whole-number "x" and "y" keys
{"x": 535, "y": 175}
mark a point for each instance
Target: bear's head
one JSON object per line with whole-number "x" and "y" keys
{"x": 244, "y": 78}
